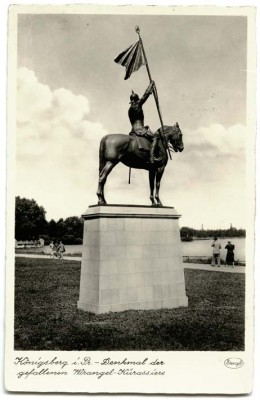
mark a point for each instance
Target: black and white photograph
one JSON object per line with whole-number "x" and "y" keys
{"x": 131, "y": 199}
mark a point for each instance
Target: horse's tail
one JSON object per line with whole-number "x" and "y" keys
{"x": 102, "y": 148}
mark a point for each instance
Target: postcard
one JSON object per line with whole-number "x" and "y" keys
{"x": 131, "y": 199}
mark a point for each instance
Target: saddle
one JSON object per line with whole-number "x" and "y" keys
{"x": 143, "y": 138}
{"x": 143, "y": 143}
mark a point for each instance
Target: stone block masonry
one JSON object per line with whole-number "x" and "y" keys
{"x": 131, "y": 259}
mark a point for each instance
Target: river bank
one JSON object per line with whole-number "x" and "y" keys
{"x": 188, "y": 264}
{"x": 194, "y": 251}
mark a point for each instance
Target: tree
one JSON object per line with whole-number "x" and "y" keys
{"x": 70, "y": 230}
{"x": 73, "y": 230}
{"x": 74, "y": 226}
{"x": 61, "y": 228}
{"x": 52, "y": 229}
{"x": 30, "y": 219}
{"x": 187, "y": 232}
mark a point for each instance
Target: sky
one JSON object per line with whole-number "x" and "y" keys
{"x": 70, "y": 93}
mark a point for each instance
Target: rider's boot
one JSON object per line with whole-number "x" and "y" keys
{"x": 153, "y": 147}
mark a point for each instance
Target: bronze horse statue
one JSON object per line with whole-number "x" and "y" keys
{"x": 115, "y": 148}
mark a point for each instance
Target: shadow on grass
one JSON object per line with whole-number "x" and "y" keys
{"x": 47, "y": 318}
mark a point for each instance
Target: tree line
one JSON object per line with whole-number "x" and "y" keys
{"x": 31, "y": 224}
{"x": 187, "y": 232}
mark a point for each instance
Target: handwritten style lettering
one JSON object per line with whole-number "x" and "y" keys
{"x": 84, "y": 366}
{"x": 108, "y": 361}
{"x": 44, "y": 371}
{"x": 98, "y": 374}
{"x": 23, "y": 361}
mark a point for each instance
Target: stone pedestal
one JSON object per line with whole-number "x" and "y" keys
{"x": 131, "y": 259}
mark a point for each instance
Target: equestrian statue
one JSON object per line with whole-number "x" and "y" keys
{"x": 141, "y": 148}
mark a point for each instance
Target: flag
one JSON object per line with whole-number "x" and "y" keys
{"x": 132, "y": 58}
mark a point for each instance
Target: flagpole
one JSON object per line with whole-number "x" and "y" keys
{"x": 137, "y": 29}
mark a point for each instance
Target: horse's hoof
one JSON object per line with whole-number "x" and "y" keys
{"x": 102, "y": 203}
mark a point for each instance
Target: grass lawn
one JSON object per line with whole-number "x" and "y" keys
{"x": 47, "y": 318}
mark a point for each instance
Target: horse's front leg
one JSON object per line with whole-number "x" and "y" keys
{"x": 102, "y": 180}
{"x": 151, "y": 180}
{"x": 158, "y": 178}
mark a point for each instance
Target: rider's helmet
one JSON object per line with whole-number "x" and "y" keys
{"x": 133, "y": 97}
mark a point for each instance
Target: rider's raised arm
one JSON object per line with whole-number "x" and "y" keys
{"x": 147, "y": 93}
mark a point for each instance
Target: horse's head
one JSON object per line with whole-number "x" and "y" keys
{"x": 175, "y": 138}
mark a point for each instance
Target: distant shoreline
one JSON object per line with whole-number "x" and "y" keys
{"x": 189, "y": 239}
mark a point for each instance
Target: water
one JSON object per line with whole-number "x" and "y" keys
{"x": 198, "y": 248}
{"x": 203, "y": 248}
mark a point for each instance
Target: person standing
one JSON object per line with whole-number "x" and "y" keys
{"x": 216, "y": 252}
{"x": 230, "y": 254}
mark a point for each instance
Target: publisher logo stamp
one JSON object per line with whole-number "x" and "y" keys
{"x": 234, "y": 363}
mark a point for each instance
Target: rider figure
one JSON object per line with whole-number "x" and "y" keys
{"x": 136, "y": 117}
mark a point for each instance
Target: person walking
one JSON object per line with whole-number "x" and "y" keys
{"x": 55, "y": 249}
{"x": 61, "y": 249}
{"x": 216, "y": 252}
{"x": 230, "y": 254}
{"x": 52, "y": 247}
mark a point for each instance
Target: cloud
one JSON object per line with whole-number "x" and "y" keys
{"x": 69, "y": 108}
{"x": 33, "y": 97}
{"x": 57, "y": 162}
{"x": 208, "y": 178}
{"x": 211, "y": 140}
{"x": 213, "y": 153}
{"x": 57, "y": 146}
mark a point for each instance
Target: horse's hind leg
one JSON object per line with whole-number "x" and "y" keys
{"x": 102, "y": 180}
{"x": 100, "y": 193}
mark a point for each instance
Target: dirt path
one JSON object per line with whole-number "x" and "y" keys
{"x": 47, "y": 256}
{"x": 207, "y": 267}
